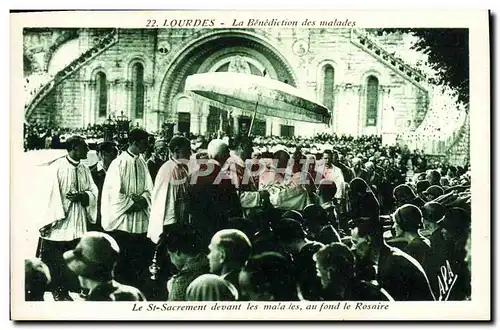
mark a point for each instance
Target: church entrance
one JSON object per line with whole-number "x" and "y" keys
{"x": 217, "y": 120}
{"x": 184, "y": 123}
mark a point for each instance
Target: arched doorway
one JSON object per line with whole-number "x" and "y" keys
{"x": 221, "y": 51}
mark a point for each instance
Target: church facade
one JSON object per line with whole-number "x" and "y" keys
{"x": 94, "y": 74}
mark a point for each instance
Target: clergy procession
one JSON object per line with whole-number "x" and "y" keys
{"x": 235, "y": 218}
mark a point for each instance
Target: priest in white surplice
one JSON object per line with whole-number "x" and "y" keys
{"x": 125, "y": 208}
{"x": 171, "y": 190}
{"x": 72, "y": 203}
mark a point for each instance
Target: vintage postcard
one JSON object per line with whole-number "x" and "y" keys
{"x": 250, "y": 165}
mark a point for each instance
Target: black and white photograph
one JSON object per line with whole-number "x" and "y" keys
{"x": 202, "y": 163}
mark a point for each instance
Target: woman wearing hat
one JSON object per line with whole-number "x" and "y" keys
{"x": 93, "y": 261}
{"x": 407, "y": 222}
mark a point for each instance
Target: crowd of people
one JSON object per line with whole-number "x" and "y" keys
{"x": 34, "y": 83}
{"x": 260, "y": 219}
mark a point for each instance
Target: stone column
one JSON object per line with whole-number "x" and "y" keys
{"x": 195, "y": 116}
{"x": 205, "y": 110}
{"x": 269, "y": 126}
{"x": 91, "y": 102}
{"x": 381, "y": 106}
{"x": 276, "y": 126}
{"x": 236, "y": 124}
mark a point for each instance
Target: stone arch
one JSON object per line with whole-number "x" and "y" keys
{"x": 382, "y": 78}
{"x": 132, "y": 59}
{"x": 223, "y": 56}
{"x": 93, "y": 68}
{"x": 189, "y": 59}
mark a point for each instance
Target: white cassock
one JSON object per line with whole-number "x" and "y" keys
{"x": 171, "y": 185}
{"x": 127, "y": 175}
{"x": 334, "y": 174}
{"x": 69, "y": 176}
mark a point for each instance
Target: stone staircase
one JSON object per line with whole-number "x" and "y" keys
{"x": 459, "y": 149}
{"x": 367, "y": 43}
{"x": 456, "y": 146}
{"x": 104, "y": 43}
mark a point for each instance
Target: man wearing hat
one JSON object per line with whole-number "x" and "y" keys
{"x": 106, "y": 153}
{"x": 404, "y": 194}
{"x": 93, "y": 260}
{"x": 433, "y": 192}
{"x": 448, "y": 246}
{"x": 432, "y": 212}
{"x": 158, "y": 158}
{"x": 125, "y": 208}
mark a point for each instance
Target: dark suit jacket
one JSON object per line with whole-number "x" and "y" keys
{"x": 213, "y": 202}
{"x": 98, "y": 176}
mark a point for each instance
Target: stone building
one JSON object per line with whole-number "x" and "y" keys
{"x": 91, "y": 74}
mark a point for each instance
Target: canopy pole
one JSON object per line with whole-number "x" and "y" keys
{"x": 253, "y": 119}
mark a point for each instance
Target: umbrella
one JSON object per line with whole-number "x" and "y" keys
{"x": 259, "y": 95}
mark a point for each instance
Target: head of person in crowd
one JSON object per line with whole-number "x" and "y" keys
{"x": 183, "y": 244}
{"x": 202, "y": 158}
{"x": 93, "y": 260}
{"x": 452, "y": 172}
{"x": 160, "y": 149}
{"x": 356, "y": 164}
{"x": 282, "y": 158}
{"x": 218, "y": 150}
{"x": 335, "y": 157}
{"x": 403, "y": 194}
{"x": 268, "y": 276}
{"x": 256, "y": 155}
{"x": 444, "y": 182}
{"x": 36, "y": 279}
{"x": 455, "y": 225}
{"x": 432, "y": 212}
{"x": 293, "y": 214}
{"x": 433, "y": 192}
{"x": 370, "y": 167}
{"x": 311, "y": 163}
{"x": 385, "y": 162}
{"x": 243, "y": 147}
{"x": 407, "y": 222}
{"x": 328, "y": 157}
{"x": 290, "y": 234}
{"x": 180, "y": 148}
{"x": 422, "y": 186}
{"x": 106, "y": 153}
{"x": 138, "y": 140}
{"x": 77, "y": 148}
{"x": 367, "y": 237}
{"x": 229, "y": 250}
{"x": 335, "y": 265}
{"x": 434, "y": 177}
{"x": 326, "y": 191}
{"x": 299, "y": 160}
{"x": 309, "y": 285}
{"x": 210, "y": 287}
{"x": 363, "y": 202}
{"x": 316, "y": 219}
